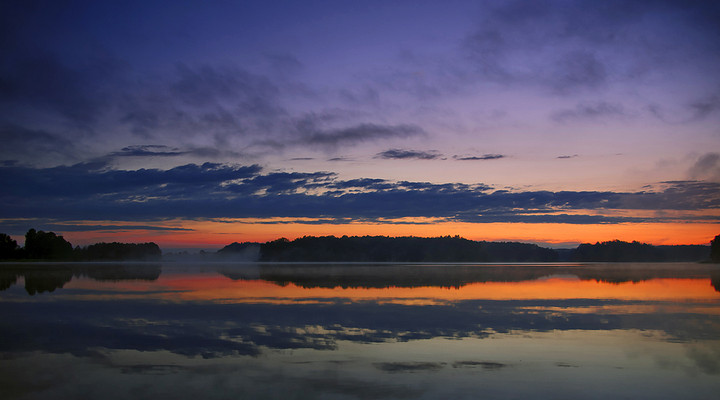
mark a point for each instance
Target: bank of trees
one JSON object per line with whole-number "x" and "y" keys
{"x": 41, "y": 245}
{"x": 457, "y": 249}
{"x": 395, "y": 249}
{"x": 619, "y": 251}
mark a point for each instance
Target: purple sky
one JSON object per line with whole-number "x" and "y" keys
{"x": 578, "y": 99}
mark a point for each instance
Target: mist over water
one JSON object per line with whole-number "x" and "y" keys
{"x": 365, "y": 331}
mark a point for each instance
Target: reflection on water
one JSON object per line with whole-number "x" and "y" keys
{"x": 391, "y": 331}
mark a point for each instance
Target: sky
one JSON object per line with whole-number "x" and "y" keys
{"x": 197, "y": 124}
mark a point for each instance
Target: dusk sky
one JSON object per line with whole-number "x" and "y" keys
{"x": 197, "y": 124}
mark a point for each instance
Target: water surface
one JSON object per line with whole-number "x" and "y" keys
{"x": 359, "y": 331}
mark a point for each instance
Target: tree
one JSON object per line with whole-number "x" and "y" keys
{"x": 8, "y": 247}
{"x": 715, "y": 249}
{"x": 46, "y": 245}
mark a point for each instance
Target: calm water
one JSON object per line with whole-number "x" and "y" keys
{"x": 358, "y": 331}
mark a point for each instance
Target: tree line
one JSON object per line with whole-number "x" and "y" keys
{"x": 41, "y": 245}
{"x": 457, "y": 249}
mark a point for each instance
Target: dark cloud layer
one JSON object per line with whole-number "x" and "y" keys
{"x": 92, "y": 192}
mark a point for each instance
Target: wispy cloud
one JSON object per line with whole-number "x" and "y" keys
{"x": 568, "y": 48}
{"x": 707, "y": 166}
{"x": 593, "y": 111}
{"x": 148, "y": 150}
{"x": 480, "y": 158}
{"x": 702, "y": 108}
{"x": 27, "y": 144}
{"x": 358, "y": 134}
{"x": 403, "y": 154}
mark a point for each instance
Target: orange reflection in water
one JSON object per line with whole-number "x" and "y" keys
{"x": 222, "y": 289}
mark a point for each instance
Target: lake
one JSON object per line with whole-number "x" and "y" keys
{"x": 359, "y": 331}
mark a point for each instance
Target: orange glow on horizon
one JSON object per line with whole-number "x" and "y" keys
{"x": 216, "y": 234}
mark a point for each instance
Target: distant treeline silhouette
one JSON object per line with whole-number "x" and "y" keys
{"x": 40, "y": 245}
{"x": 617, "y": 250}
{"x": 457, "y": 249}
{"x": 410, "y": 249}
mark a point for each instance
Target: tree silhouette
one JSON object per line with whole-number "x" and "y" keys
{"x": 619, "y": 251}
{"x": 46, "y": 245}
{"x": 715, "y": 249}
{"x": 8, "y": 247}
{"x": 396, "y": 249}
{"x": 119, "y": 251}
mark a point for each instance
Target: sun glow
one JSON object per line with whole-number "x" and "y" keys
{"x": 218, "y": 233}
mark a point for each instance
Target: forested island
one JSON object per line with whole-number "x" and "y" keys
{"x": 40, "y": 245}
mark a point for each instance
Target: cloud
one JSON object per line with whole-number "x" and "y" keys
{"x": 479, "y": 158}
{"x": 19, "y": 227}
{"x": 356, "y": 134}
{"x": 567, "y": 156}
{"x": 44, "y": 84}
{"x": 94, "y": 192}
{"x": 234, "y": 108}
{"x": 570, "y": 47}
{"x": 408, "y": 366}
{"x": 281, "y": 183}
{"x": 94, "y": 179}
{"x": 204, "y": 110}
{"x": 208, "y": 85}
{"x": 584, "y": 111}
{"x": 578, "y": 69}
{"x": 401, "y": 154}
{"x": 284, "y": 63}
{"x": 489, "y": 365}
{"x": 20, "y": 142}
{"x": 707, "y": 166}
{"x": 686, "y": 113}
{"x": 704, "y": 107}
{"x": 224, "y": 105}
{"x": 148, "y": 150}
{"x": 308, "y": 132}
